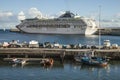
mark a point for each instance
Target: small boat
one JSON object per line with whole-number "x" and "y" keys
{"x": 90, "y": 59}
{"x": 78, "y": 58}
{"x": 47, "y": 62}
{"x": 18, "y": 61}
{"x": 94, "y": 61}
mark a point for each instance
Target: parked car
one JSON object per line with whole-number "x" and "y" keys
{"x": 41, "y": 45}
{"x": 66, "y": 46}
{"x": 48, "y": 45}
{"x": 72, "y": 46}
{"x": 56, "y": 45}
{"x": 33, "y": 44}
{"x": 85, "y": 47}
{"x": 78, "y": 46}
{"x": 14, "y": 45}
{"x": 25, "y": 44}
{"x": 114, "y": 46}
{"x": 5, "y": 44}
{"x": 94, "y": 47}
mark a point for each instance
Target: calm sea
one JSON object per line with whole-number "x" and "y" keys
{"x": 62, "y": 39}
{"x": 66, "y": 71}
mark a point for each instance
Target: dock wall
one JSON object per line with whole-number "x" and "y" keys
{"x": 56, "y": 53}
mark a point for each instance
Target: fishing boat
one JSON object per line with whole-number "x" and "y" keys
{"x": 18, "y": 61}
{"x": 78, "y": 58}
{"x": 94, "y": 61}
{"x": 47, "y": 62}
{"x": 90, "y": 59}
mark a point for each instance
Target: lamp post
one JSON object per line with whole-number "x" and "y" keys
{"x": 99, "y": 26}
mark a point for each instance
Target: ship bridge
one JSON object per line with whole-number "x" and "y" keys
{"x": 67, "y": 14}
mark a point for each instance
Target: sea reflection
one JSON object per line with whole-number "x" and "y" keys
{"x": 66, "y": 70}
{"x": 57, "y": 64}
{"x": 91, "y": 36}
{"x": 94, "y": 71}
{"x": 77, "y": 67}
{"x": 90, "y": 68}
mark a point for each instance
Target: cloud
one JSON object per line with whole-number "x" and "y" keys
{"x": 34, "y": 12}
{"x": 5, "y": 14}
{"x": 113, "y": 22}
{"x": 7, "y": 19}
{"x": 21, "y": 16}
{"x": 117, "y": 15}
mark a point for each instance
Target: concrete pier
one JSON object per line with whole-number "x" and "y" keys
{"x": 109, "y": 31}
{"x": 26, "y": 59}
{"x": 55, "y": 53}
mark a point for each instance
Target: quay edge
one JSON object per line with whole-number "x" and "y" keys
{"x": 56, "y": 53}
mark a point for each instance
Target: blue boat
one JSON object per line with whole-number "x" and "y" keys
{"x": 94, "y": 61}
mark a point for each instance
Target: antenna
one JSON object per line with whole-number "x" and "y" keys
{"x": 99, "y": 26}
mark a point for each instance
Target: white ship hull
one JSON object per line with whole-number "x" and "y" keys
{"x": 59, "y": 31}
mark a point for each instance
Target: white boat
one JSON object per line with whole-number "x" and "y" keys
{"x": 67, "y": 23}
{"x": 33, "y": 44}
{"x": 18, "y": 61}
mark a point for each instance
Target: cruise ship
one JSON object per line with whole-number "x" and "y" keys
{"x": 67, "y": 23}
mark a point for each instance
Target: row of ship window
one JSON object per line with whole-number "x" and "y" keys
{"x": 57, "y": 22}
{"x": 52, "y": 26}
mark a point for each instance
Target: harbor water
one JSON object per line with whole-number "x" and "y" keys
{"x": 65, "y": 71}
{"x": 69, "y": 70}
{"x": 62, "y": 39}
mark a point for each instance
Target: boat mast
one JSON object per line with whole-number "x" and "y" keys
{"x": 99, "y": 26}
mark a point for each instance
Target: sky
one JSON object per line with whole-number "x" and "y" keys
{"x": 10, "y": 10}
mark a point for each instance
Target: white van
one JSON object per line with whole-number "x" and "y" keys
{"x": 107, "y": 44}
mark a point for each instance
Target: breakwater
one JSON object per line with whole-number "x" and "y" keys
{"x": 56, "y": 53}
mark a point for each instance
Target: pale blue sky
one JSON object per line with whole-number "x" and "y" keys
{"x": 110, "y": 9}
